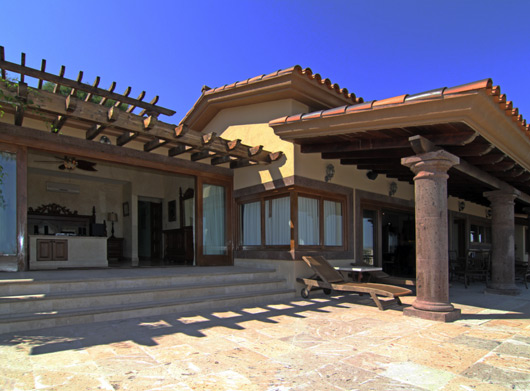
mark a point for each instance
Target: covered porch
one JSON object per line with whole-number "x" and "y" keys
{"x": 467, "y": 142}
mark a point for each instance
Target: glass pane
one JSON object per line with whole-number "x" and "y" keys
{"x": 213, "y": 220}
{"x": 369, "y": 235}
{"x": 308, "y": 225}
{"x": 8, "y": 204}
{"x": 332, "y": 223}
{"x": 251, "y": 224}
{"x": 278, "y": 221}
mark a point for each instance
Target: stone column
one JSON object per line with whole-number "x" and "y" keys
{"x": 432, "y": 242}
{"x": 502, "y": 242}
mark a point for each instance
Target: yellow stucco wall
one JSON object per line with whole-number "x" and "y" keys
{"x": 250, "y": 125}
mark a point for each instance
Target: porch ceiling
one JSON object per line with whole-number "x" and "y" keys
{"x": 58, "y": 112}
{"x": 473, "y": 122}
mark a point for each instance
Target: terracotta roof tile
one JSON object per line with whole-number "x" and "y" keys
{"x": 315, "y": 114}
{"x": 360, "y": 107}
{"x": 335, "y": 111}
{"x": 482, "y": 85}
{"x": 298, "y": 69}
{"x": 293, "y": 118}
{"x": 390, "y": 101}
{"x": 278, "y": 121}
{"x": 477, "y": 85}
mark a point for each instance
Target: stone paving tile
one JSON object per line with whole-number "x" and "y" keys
{"x": 324, "y": 343}
{"x": 504, "y": 361}
{"x": 514, "y": 347}
{"x": 418, "y": 375}
{"x": 515, "y": 380}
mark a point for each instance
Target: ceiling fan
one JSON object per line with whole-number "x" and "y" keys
{"x": 70, "y": 163}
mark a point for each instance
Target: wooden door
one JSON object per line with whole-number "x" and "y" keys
{"x": 156, "y": 230}
{"x": 214, "y": 217}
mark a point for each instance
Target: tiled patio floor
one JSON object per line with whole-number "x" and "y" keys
{"x": 337, "y": 343}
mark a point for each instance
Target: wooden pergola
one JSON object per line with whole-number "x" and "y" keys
{"x": 97, "y": 120}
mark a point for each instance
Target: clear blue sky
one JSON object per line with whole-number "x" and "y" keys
{"x": 376, "y": 49}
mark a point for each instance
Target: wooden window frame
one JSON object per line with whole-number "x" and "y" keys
{"x": 294, "y": 192}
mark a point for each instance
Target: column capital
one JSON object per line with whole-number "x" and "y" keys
{"x": 502, "y": 195}
{"x": 436, "y": 162}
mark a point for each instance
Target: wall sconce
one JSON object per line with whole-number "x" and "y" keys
{"x": 392, "y": 188}
{"x": 330, "y": 172}
{"x": 488, "y": 213}
{"x": 112, "y": 217}
{"x": 104, "y": 140}
{"x": 371, "y": 175}
{"x": 461, "y": 206}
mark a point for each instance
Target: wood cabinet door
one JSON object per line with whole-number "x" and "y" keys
{"x": 44, "y": 250}
{"x": 60, "y": 250}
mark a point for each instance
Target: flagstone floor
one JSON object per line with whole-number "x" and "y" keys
{"x": 323, "y": 343}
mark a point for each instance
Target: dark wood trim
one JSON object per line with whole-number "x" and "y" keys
{"x": 319, "y": 191}
{"x": 43, "y": 141}
{"x": 214, "y": 260}
{"x": 22, "y": 209}
{"x": 368, "y": 200}
{"x": 287, "y": 255}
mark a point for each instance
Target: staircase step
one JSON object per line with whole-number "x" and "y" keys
{"x": 76, "y": 299}
{"x": 45, "y": 319}
{"x": 132, "y": 279}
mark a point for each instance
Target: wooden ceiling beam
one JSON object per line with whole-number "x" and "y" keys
{"x": 55, "y": 104}
{"x": 94, "y": 131}
{"x": 490, "y": 158}
{"x": 201, "y": 155}
{"x": 153, "y": 144}
{"x": 178, "y": 150}
{"x": 125, "y": 138}
{"x": 375, "y": 154}
{"x": 221, "y": 160}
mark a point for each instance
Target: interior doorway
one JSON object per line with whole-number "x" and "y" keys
{"x": 150, "y": 233}
{"x": 399, "y": 243}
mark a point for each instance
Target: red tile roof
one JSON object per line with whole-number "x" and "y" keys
{"x": 297, "y": 68}
{"x": 441, "y": 93}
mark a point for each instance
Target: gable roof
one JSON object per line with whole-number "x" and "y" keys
{"x": 292, "y": 83}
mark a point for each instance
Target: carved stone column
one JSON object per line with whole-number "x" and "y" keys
{"x": 432, "y": 255}
{"x": 502, "y": 242}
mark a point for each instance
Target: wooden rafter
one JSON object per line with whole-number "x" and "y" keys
{"x": 60, "y": 80}
{"x": 96, "y": 119}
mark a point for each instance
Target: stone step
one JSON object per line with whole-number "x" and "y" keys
{"x": 69, "y": 281}
{"x": 46, "y": 319}
{"x": 61, "y": 300}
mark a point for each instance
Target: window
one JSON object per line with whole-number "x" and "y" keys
{"x": 479, "y": 234}
{"x": 265, "y": 220}
{"x": 277, "y": 221}
{"x": 250, "y": 224}
{"x": 8, "y": 204}
{"x": 308, "y": 224}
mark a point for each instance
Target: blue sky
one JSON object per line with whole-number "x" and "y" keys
{"x": 376, "y": 49}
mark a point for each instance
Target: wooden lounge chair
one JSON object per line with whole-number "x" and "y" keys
{"x": 327, "y": 278}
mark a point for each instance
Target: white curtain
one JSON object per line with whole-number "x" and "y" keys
{"x": 332, "y": 223}
{"x": 277, "y": 221}
{"x": 213, "y": 221}
{"x": 251, "y": 224}
{"x": 308, "y": 226}
{"x": 8, "y": 204}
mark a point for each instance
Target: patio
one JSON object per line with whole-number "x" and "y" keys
{"x": 324, "y": 343}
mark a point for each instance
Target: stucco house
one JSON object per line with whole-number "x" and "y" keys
{"x": 261, "y": 172}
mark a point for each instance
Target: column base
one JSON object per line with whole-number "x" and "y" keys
{"x": 508, "y": 291}
{"x": 449, "y": 316}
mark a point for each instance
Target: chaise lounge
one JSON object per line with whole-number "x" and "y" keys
{"x": 327, "y": 278}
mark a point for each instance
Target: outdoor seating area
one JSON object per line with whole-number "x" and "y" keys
{"x": 475, "y": 266}
{"x": 328, "y": 279}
